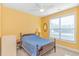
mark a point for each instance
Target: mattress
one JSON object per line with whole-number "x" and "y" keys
{"x": 30, "y": 43}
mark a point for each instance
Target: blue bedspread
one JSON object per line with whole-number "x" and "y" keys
{"x": 30, "y": 42}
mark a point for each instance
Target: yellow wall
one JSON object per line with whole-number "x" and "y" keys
{"x": 0, "y": 27}
{"x": 14, "y": 22}
{"x": 44, "y": 20}
{"x": 62, "y": 13}
{"x": 77, "y": 27}
{"x": 0, "y": 20}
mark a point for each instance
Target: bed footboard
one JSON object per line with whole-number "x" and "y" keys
{"x": 48, "y": 47}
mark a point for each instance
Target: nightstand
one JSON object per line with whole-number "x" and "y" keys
{"x": 18, "y": 44}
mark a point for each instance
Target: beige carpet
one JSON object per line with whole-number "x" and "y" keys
{"x": 59, "y": 52}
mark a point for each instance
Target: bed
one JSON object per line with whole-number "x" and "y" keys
{"x": 35, "y": 45}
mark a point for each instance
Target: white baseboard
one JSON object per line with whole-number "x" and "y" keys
{"x": 75, "y": 50}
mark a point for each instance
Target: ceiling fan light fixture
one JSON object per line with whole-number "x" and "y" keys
{"x": 42, "y": 10}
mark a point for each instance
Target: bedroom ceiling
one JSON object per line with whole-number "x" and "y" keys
{"x": 40, "y": 9}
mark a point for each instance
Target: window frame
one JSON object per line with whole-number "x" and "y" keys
{"x": 75, "y": 28}
{"x": 49, "y": 28}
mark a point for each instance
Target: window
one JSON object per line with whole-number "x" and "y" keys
{"x": 54, "y": 28}
{"x": 63, "y": 28}
{"x": 67, "y": 27}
